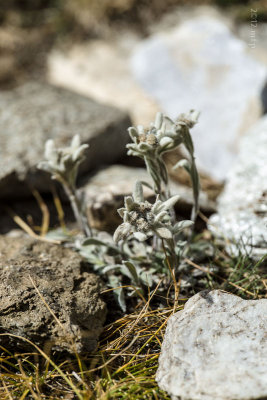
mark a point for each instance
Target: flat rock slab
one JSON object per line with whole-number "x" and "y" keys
{"x": 195, "y": 65}
{"x": 216, "y": 349}
{"x": 63, "y": 310}
{"x": 242, "y": 207}
{"x": 86, "y": 69}
{"x": 35, "y": 112}
{"x": 105, "y": 192}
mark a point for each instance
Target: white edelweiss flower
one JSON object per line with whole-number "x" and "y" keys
{"x": 143, "y": 219}
{"x": 63, "y": 163}
{"x": 163, "y": 135}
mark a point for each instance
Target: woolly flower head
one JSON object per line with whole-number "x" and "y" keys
{"x": 143, "y": 219}
{"x": 162, "y": 135}
{"x": 62, "y": 163}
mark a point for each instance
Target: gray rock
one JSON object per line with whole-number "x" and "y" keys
{"x": 104, "y": 194}
{"x": 215, "y": 349}
{"x": 201, "y": 65}
{"x": 66, "y": 289}
{"x": 35, "y": 112}
{"x": 242, "y": 207}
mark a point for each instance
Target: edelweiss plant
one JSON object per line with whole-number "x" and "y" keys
{"x": 140, "y": 260}
{"x": 143, "y": 219}
{"x": 162, "y": 136}
{"x": 63, "y": 164}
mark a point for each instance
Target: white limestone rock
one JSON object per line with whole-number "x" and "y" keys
{"x": 200, "y": 64}
{"x": 242, "y": 207}
{"x": 216, "y": 349}
{"x": 100, "y": 69}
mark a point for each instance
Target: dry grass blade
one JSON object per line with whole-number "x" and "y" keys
{"x": 27, "y": 381}
{"x": 59, "y": 208}
{"x": 6, "y": 389}
{"x": 115, "y": 356}
{"x": 22, "y": 224}
{"x": 44, "y": 210}
{"x": 138, "y": 318}
{"x": 55, "y": 366}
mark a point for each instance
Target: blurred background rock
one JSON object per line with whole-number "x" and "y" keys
{"x": 29, "y": 28}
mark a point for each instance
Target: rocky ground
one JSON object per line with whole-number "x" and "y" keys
{"x": 66, "y": 289}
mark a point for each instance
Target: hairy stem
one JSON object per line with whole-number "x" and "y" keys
{"x": 195, "y": 184}
{"x": 77, "y": 210}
